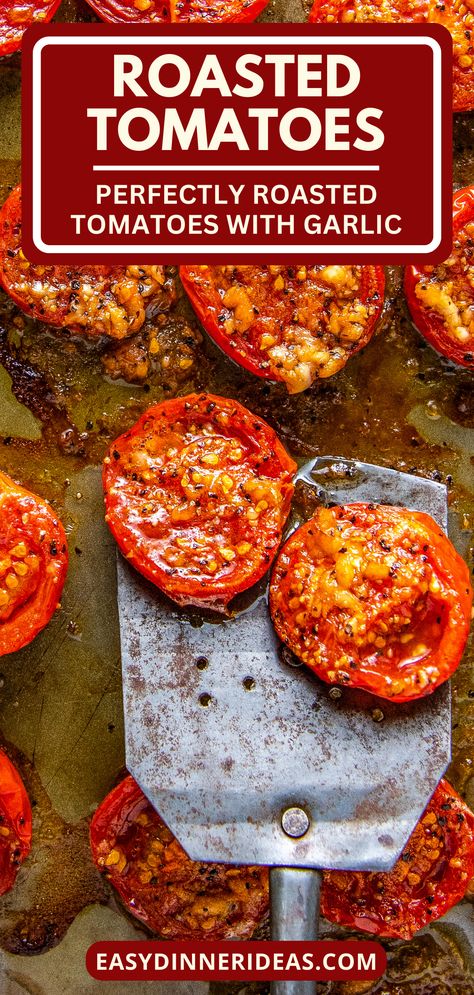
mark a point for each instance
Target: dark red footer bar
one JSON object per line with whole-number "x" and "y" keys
{"x": 233, "y": 961}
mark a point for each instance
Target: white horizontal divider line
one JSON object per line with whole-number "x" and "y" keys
{"x": 231, "y": 169}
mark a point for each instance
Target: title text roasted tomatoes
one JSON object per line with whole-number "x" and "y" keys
{"x": 178, "y": 898}
{"x": 15, "y": 823}
{"x": 456, "y": 16}
{"x": 441, "y": 298}
{"x": 431, "y": 875}
{"x": 93, "y": 300}
{"x": 33, "y": 564}
{"x": 289, "y": 324}
{"x": 197, "y": 494}
{"x": 374, "y": 597}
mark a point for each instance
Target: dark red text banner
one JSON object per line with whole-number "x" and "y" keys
{"x": 179, "y": 144}
{"x": 236, "y": 961}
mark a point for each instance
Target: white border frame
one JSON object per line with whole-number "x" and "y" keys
{"x": 233, "y": 249}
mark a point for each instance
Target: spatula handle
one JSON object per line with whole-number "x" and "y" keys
{"x": 294, "y": 893}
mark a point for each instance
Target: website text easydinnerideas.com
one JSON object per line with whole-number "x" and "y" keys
{"x": 244, "y": 960}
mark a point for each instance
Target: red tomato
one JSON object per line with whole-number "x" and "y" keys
{"x": 455, "y": 16}
{"x": 292, "y": 324}
{"x": 373, "y": 597}
{"x": 61, "y": 295}
{"x": 431, "y": 875}
{"x": 15, "y": 823}
{"x": 131, "y": 11}
{"x": 197, "y": 494}
{"x": 441, "y": 298}
{"x": 207, "y": 11}
{"x": 178, "y": 898}
{"x": 33, "y": 564}
{"x": 154, "y": 11}
{"x": 16, "y": 17}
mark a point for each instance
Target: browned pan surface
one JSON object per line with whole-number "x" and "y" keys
{"x": 397, "y": 403}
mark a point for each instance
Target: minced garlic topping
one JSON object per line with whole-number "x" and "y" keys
{"x": 176, "y": 896}
{"x": 448, "y": 289}
{"x": 19, "y": 577}
{"x": 196, "y": 500}
{"x": 436, "y": 864}
{"x": 97, "y": 300}
{"x": 356, "y": 593}
{"x": 202, "y": 477}
{"x": 23, "y": 14}
{"x": 94, "y": 300}
{"x": 305, "y": 321}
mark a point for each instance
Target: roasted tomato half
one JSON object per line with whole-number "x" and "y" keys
{"x": 292, "y": 324}
{"x": 15, "y": 823}
{"x": 431, "y": 875}
{"x": 16, "y": 17}
{"x": 154, "y": 11}
{"x": 441, "y": 298}
{"x": 178, "y": 898}
{"x": 453, "y": 14}
{"x": 197, "y": 494}
{"x": 92, "y": 300}
{"x": 33, "y": 564}
{"x": 373, "y": 597}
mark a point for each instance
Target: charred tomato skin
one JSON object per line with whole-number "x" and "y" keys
{"x": 124, "y": 11}
{"x": 216, "y": 11}
{"x": 429, "y": 324}
{"x": 196, "y": 495}
{"x": 12, "y": 27}
{"x": 34, "y": 559}
{"x": 89, "y": 300}
{"x": 338, "y": 600}
{"x": 431, "y": 876}
{"x": 178, "y": 11}
{"x": 15, "y": 821}
{"x": 201, "y": 284}
{"x": 125, "y": 824}
{"x": 416, "y": 12}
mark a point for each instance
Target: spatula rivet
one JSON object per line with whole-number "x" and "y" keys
{"x": 205, "y": 700}
{"x": 295, "y": 822}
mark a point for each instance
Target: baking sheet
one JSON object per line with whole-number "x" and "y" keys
{"x": 396, "y": 403}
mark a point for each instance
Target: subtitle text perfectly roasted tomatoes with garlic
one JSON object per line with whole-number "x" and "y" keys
{"x": 178, "y": 898}
{"x": 16, "y": 17}
{"x": 455, "y": 15}
{"x": 177, "y": 11}
{"x": 33, "y": 564}
{"x": 15, "y": 823}
{"x": 291, "y": 324}
{"x": 92, "y": 300}
{"x": 431, "y": 875}
{"x": 197, "y": 494}
{"x": 441, "y": 298}
{"x": 373, "y": 597}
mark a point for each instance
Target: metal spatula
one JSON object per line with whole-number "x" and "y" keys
{"x": 250, "y": 760}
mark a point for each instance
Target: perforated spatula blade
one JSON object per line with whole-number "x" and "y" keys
{"x": 239, "y": 751}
